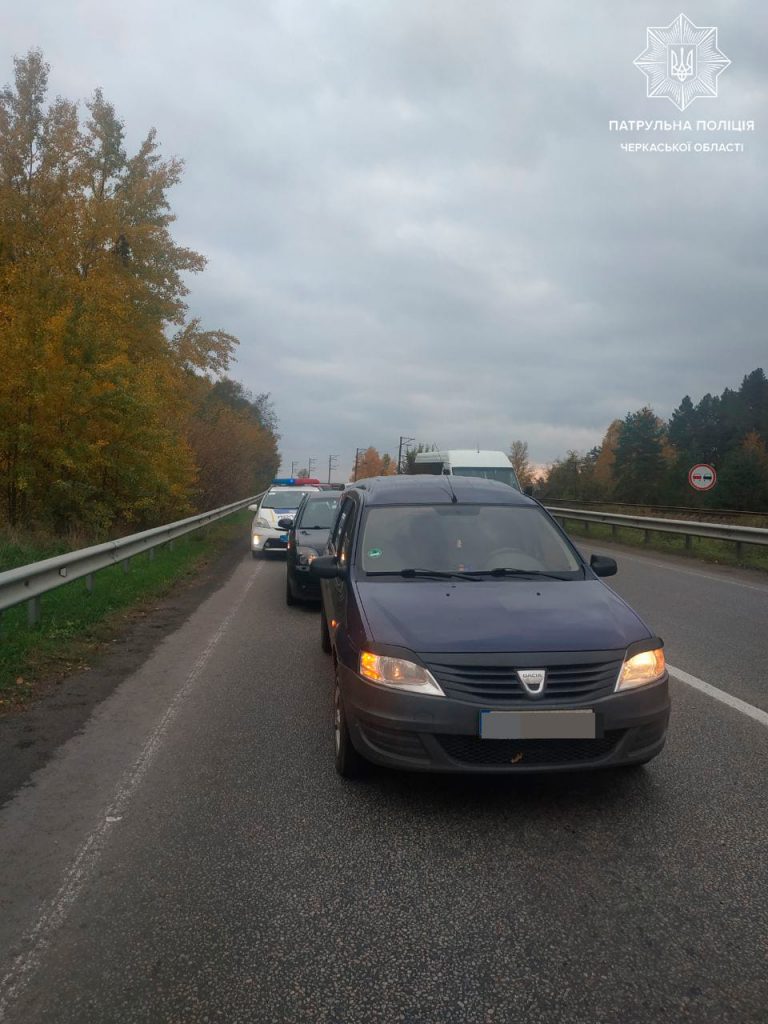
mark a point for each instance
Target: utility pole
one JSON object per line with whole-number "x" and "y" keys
{"x": 332, "y": 460}
{"x": 310, "y": 466}
{"x": 403, "y": 441}
{"x": 293, "y": 468}
{"x": 357, "y": 456}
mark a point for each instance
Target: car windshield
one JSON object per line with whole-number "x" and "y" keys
{"x": 284, "y": 499}
{"x": 500, "y": 473}
{"x": 465, "y": 538}
{"x": 318, "y": 514}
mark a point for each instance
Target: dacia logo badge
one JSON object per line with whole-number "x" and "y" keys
{"x": 533, "y": 680}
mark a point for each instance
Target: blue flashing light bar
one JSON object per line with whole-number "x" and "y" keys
{"x": 284, "y": 481}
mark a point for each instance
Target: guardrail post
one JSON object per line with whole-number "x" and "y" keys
{"x": 688, "y": 542}
{"x": 586, "y": 526}
{"x": 646, "y": 536}
{"x": 151, "y": 554}
{"x": 126, "y": 565}
{"x": 614, "y": 529}
{"x": 739, "y": 550}
{"x": 33, "y": 611}
{"x": 170, "y": 544}
{"x": 89, "y": 582}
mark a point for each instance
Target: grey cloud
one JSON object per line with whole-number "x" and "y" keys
{"x": 416, "y": 219}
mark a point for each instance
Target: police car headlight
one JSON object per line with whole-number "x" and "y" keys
{"x": 398, "y": 674}
{"x": 305, "y": 556}
{"x": 263, "y": 523}
{"x": 642, "y": 668}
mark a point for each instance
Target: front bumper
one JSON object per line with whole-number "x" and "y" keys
{"x": 304, "y": 584}
{"x": 441, "y": 734}
{"x": 264, "y": 538}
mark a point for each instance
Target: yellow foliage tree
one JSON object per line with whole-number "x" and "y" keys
{"x": 95, "y": 395}
{"x": 370, "y": 463}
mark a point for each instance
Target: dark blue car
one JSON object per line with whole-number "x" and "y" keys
{"x": 469, "y": 634}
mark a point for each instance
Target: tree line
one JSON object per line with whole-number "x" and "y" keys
{"x": 645, "y": 459}
{"x": 115, "y": 407}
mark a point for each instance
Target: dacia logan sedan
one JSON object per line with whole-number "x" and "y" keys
{"x": 469, "y": 634}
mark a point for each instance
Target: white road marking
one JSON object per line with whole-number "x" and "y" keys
{"x": 38, "y": 939}
{"x": 695, "y": 572}
{"x": 725, "y": 698}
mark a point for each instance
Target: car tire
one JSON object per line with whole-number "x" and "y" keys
{"x": 349, "y": 764}
{"x": 289, "y": 598}
{"x": 325, "y": 636}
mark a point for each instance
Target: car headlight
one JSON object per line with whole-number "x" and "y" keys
{"x": 642, "y": 668}
{"x": 398, "y": 673}
{"x": 305, "y": 556}
{"x": 263, "y": 523}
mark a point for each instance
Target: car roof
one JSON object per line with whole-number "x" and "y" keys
{"x": 323, "y": 496}
{"x": 438, "y": 490}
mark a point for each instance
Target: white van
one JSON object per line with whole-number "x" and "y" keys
{"x": 468, "y": 462}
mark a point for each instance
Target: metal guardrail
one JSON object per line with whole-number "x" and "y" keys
{"x": 29, "y": 582}
{"x": 687, "y": 528}
{"x": 700, "y": 511}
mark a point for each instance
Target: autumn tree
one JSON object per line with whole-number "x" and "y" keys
{"x": 524, "y": 470}
{"x": 235, "y": 453}
{"x": 370, "y": 463}
{"x": 97, "y": 351}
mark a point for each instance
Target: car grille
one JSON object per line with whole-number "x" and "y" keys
{"x": 497, "y": 683}
{"x": 473, "y": 750}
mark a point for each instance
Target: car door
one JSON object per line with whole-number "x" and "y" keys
{"x": 332, "y": 548}
{"x": 340, "y": 545}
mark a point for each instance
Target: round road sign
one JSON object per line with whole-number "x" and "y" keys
{"x": 702, "y": 477}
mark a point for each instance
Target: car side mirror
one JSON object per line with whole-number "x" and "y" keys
{"x": 327, "y": 568}
{"x": 601, "y": 565}
{"x": 253, "y": 508}
{"x": 285, "y": 523}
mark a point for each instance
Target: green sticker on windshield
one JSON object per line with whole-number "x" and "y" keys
{"x": 374, "y": 553}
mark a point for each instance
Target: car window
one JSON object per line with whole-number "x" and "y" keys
{"x": 346, "y": 505}
{"x": 318, "y": 515}
{"x": 464, "y": 538}
{"x": 284, "y": 499}
{"x": 346, "y": 536}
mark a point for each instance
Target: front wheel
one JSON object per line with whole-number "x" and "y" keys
{"x": 349, "y": 764}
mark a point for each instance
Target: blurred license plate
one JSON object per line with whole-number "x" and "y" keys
{"x": 283, "y": 538}
{"x": 537, "y": 725}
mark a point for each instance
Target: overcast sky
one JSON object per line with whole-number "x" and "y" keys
{"x": 416, "y": 219}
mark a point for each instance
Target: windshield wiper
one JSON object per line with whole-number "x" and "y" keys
{"x": 530, "y": 574}
{"x": 428, "y": 574}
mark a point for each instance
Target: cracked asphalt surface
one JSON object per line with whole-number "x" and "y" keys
{"x": 192, "y": 856}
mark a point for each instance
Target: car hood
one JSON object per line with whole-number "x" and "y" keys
{"x": 316, "y": 539}
{"x": 499, "y": 615}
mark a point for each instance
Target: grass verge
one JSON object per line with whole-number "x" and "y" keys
{"x": 75, "y": 623}
{"x": 719, "y": 552}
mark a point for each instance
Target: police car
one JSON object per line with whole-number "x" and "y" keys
{"x": 278, "y": 504}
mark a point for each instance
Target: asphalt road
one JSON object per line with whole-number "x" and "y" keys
{"x": 191, "y": 855}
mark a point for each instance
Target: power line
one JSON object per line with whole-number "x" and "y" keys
{"x": 403, "y": 441}
{"x": 357, "y": 457}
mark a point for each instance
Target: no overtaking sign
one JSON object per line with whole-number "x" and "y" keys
{"x": 702, "y": 477}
